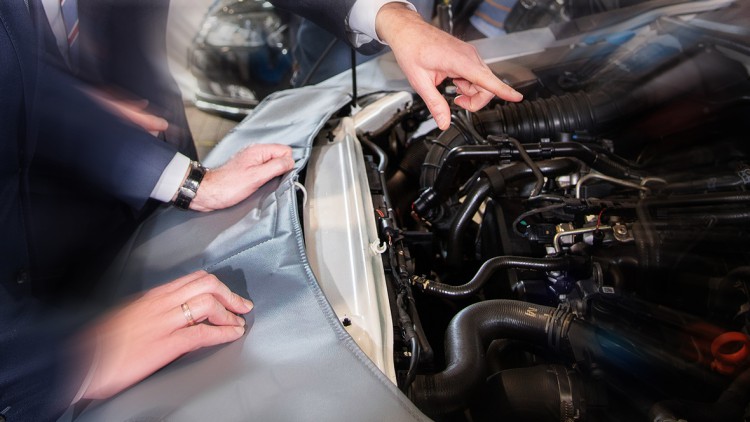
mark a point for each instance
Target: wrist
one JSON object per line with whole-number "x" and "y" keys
{"x": 208, "y": 198}
{"x": 392, "y": 16}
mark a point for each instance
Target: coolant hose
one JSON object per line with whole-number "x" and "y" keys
{"x": 489, "y": 267}
{"x": 466, "y": 340}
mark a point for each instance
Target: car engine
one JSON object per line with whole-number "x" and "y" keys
{"x": 581, "y": 255}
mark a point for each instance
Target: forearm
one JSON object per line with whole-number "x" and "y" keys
{"x": 93, "y": 146}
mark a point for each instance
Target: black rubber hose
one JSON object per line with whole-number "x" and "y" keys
{"x": 466, "y": 339}
{"x": 544, "y": 118}
{"x": 440, "y": 170}
{"x": 488, "y": 269}
{"x": 493, "y": 181}
{"x": 558, "y": 395}
{"x": 473, "y": 201}
{"x": 446, "y": 169}
{"x": 597, "y": 160}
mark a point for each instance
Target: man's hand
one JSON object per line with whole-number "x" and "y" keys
{"x": 132, "y": 111}
{"x": 152, "y": 331}
{"x": 428, "y": 56}
{"x": 242, "y": 175}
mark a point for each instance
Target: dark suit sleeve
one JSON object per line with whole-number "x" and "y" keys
{"x": 330, "y": 15}
{"x": 96, "y": 147}
{"x": 37, "y": 378}
{"x": 42, "y": 366}
{"x": 123, "y": 47}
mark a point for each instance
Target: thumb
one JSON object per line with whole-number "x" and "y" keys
{"x": 435, "y": 103}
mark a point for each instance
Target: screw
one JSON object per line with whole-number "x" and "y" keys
{"x": 622, "y": 230}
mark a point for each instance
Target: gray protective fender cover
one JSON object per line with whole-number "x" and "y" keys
{"x": 295, "y": 362}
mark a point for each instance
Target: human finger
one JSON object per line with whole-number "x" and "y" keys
{"x": 274, "y": 150}
{"x": 134, "y": 111}
{"x": 176, "y": 283}
{"x": 464, "y": 87}
{"x": 209, "y": 284}
{"x": 147, "y": 121}
{"x": 204, "y": 307}
{"x": 203, "y": 335}
{"x": 474, "y": 102}
{"x": 274, "y": 167}
{"x": 434, "y": 101}
{"x": 261, "y": 153}
{"x": 480, "y": 75}
{"x": 471, "y": 97}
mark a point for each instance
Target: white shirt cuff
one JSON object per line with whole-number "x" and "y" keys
{"x": 361, "y": 19}
{"x": 171, "y": 179}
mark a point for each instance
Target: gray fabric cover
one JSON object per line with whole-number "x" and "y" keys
{"x": 296, "y": 362}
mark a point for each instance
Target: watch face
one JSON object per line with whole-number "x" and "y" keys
{"x": 189, "y": 192}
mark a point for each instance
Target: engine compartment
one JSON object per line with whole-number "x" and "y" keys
{"x": 581, "y": 255}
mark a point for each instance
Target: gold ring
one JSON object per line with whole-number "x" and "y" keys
{"x": 188, "y": 314}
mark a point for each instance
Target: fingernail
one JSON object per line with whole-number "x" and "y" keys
{"x": 239, "y": 330}
{"x": 248, "y": 303}
{"x": 241, "y": 321}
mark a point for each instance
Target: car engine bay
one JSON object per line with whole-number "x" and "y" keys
{"x": 581, "y": 255}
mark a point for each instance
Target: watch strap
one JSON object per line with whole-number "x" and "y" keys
{"x": 189, "y": 188}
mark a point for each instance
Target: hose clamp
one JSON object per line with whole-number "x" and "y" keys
{"x": 568, "y": 411}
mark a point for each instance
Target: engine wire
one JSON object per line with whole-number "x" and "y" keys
{"x": 529, "y": 213}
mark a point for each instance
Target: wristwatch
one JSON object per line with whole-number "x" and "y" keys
{"x": 189, "y": 188}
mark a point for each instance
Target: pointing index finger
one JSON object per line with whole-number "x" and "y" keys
{"x": 487, "y": 80}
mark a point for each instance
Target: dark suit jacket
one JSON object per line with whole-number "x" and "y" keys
{"x": 90, "y": 221}
{"x": 330, "y": 15}
{"x": 38, "y": 102}
{"x": 312, "y": 41}
{"x": 123, "y": 45}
